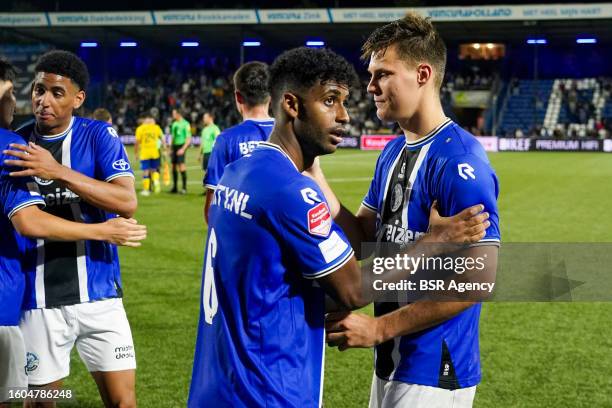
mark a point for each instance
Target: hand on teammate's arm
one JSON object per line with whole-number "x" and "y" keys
{"x": 117, "y": 196}
{"x": 350, "y": 330}
{"x": 32, "y": 222}
{"x": 358, "y": 330}
{"x": 467, "y": 227}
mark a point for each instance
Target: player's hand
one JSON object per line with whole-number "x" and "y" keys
{"x": 467, "y": 227}
{"x": 352, "y": 330}
{"x": 124, "y": 232}
{"x": 180, "y": 152}
{"x": 36, "y": 161}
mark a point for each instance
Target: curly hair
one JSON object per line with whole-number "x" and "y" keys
{"x": 7, "y": 71}
{"x": 300, "y": 68}
{"x": 66, "y": 64}
{"x": 416, "y": 39}
{"x": 251, "y": 80}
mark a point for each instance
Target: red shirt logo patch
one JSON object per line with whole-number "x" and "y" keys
{"x": 319, "y": 220}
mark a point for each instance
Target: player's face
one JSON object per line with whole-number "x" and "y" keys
{"x": 7, "y": 104}
{"x": 54, "y": 98}
{"x": 322, "y": 118}
{"x": 393, "y": 83}
{"x": 207, "y": 119}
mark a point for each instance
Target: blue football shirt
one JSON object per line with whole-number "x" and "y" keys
{"x": 17, "y": 253}
{"x": 82, "y": 271}
{"x": 448, "y": 165}
{"x": 261, "y": 332}
{"x": 232, "y": 144}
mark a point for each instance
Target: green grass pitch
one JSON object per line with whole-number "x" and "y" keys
{"x": 533, "y": 354}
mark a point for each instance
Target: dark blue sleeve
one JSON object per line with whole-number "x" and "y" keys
{"x": 219, "y": 158}
{"x": 17, "y": 192}
{"x": 111, "y": 158}
{"x": 310, "y": 237}
{"x": 467, "y": 180}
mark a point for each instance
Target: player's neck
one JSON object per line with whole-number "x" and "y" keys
{"x": 425, "y": 119}
{"x": 256, "y": 112}
{"x": 288, "y": 142}
{"x": 53, "y": 131}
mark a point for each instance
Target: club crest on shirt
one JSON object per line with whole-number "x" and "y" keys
{"x": 42, "y": 182}
{"x": 319, "y": 220}
{"x": 396, "y": 197}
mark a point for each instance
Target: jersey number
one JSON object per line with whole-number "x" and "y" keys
{"x": 209, "y": 295}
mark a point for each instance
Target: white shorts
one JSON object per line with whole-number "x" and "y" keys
{"x": 13, "y": 361}
{"x": 388, "y": 394}
{"x": 99, "y": 329}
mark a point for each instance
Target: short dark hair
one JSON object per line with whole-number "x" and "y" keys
{"x": 303, "y": 67}
{"x": 66, "y": 64}
{"x": 416, "y": 39}
{"x": 7, "y": 71}
{"x": 251, "y": 80}
{"x": 102, "y": 114}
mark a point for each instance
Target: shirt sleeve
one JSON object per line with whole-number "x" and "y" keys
{"x": 17, "y": 193}
{"x": 316, "y": 246}
{"x": 467, "y": 180}
{"x": 219, "y": 158}
{"x": 111, "y": 158}
{"x": 371, "y": 200}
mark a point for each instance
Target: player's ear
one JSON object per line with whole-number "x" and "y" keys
{"x": 239, "y": 97}
{"x": 290, "y": 104}
{"x": 424, "y": 73}
{"x": 79, "y": 98}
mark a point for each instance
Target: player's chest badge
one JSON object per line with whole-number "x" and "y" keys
{"x": 397, "y": 197}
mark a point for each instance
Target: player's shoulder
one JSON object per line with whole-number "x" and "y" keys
{"x": 93, "y": 128}
{"x": 455, "y": 144}
{"x": 7, "y": 137}
{"x": 240, "y": 131}
{"x": 391, "y": 150}
{"x": 26, "y": 129}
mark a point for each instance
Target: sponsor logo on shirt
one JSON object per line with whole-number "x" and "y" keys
{"x": 121, "y": 165}
{"x": 319, "y": 220}
{"x": 60, "y": 196}
{"x": 112, "y": 131}
{"x": 466, "y": 170}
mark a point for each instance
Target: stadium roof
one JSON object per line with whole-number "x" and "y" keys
{"x": 287, "y": 35}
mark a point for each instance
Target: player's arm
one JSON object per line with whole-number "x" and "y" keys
{"x": 207, "y": 202}
{"x": 351, "y": 287}
{"x": 116, "y": 196}
{"x": 32, "y": 222}
{"x": 349, "y": 330}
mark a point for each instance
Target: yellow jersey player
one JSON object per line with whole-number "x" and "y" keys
{"x": 148, "y": 137}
